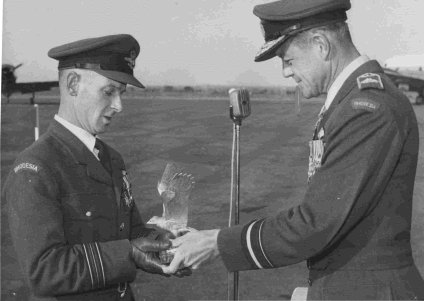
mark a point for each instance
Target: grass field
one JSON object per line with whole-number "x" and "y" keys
{"x": 197, "y": 134}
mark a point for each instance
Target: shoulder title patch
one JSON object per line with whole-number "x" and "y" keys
{"x": 28, "y": 166}
{"x": 370, "y": 81}
{"x": 365, "y": 104}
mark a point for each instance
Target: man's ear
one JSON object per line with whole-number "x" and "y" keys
{"x": 323, "y": 45}
{"x": 72, "y": 83}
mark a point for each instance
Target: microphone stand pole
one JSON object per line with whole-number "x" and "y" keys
{"x": 235, "y": 194}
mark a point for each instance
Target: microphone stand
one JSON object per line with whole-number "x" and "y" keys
{"x": 235, "y": 194}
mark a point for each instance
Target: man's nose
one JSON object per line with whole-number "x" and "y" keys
{"x": 117, "y": 104}
{"x": 287, "y": 71}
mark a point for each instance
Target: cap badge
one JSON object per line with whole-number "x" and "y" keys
{"x": 131, "y": 58}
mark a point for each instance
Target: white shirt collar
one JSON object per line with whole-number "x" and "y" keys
{"x": 85, "y": 137}
{"x": 342, "y": 77}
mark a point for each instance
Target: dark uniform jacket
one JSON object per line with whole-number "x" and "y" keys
{"x": 71, "y": 221}
{"x": 353, "y": 225}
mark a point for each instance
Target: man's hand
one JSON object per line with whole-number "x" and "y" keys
{"x": 193, "y": 250}
{"x": 145, "y": 253}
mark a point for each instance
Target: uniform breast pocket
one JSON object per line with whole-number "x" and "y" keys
{"x": 89, "y": 217}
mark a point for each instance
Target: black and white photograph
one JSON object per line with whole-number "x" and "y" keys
{"x": 212, "y": 150}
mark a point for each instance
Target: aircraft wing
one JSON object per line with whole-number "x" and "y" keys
{"x": 410, "y": 82}
{"x": 415, "y": 80}
{"x": 30, "y": 87}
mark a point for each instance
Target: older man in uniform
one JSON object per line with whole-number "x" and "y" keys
{"x": 353, "y": 225}
{"x": 76, "y": 230}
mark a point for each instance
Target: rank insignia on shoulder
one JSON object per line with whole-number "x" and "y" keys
{"x": 370, "y": 81}
{"x": 365, "y": 104}
{"x": 25, "y": 166}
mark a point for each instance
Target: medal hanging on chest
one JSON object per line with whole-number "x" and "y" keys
{"x": 316, "y": 150}
{"x": 126, "y": 193}
{"x": 316, "y": 146}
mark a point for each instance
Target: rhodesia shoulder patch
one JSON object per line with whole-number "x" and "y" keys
{"x": 26, "y": 166}
{"x": 365, "y": 104}
{"x": 370, "y": 81}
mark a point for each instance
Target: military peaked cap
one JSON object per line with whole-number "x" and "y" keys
{"x": 112, "y": 56}
{"x": 285, "y": 18}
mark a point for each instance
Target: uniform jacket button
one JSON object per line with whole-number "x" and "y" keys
{"x": 309, "y": 281}
{"x": 88, "y": 213}
{"x": 121, "y": 227}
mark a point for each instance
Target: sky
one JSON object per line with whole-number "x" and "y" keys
{"x": 193, "y": 42}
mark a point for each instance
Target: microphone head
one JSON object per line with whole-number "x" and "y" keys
{"x": 240, "y": 102}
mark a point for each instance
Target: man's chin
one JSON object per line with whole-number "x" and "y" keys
{"x": 308, "y": 94}
{"x": 102, "y": 129}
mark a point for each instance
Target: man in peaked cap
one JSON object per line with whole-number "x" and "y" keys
{"x": 353, "y": 225}
{"x": 77, "y": 232}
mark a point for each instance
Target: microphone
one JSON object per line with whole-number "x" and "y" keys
{"x": 239, "y": 109}
{"x": 239, "y": 103}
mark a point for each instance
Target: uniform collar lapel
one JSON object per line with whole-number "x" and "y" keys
{"x": 79, "y": 153}
{"x": 117, "y": 175}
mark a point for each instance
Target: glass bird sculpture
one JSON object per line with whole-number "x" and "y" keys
{"x": 174, "y": 189}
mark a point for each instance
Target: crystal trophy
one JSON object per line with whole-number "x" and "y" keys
{"x": 174, "y": 189}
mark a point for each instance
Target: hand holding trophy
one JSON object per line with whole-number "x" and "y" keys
{"x": 174, "y": 189}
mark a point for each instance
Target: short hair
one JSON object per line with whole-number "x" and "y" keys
{"x": 62, "y": 76}
{"x": 63, "y": 73}
{"x": 338, "y": 31}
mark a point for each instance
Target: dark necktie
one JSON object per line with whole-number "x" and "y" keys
{"x": 103, "y": 154}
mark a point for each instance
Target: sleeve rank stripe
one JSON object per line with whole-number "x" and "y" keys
{"x": 244, "y": 244}
{"x": 89, "y": 266}
{"x": 95, "y": 264}
{"x": 101, "y": 263}
{"x": 249, "y": 245}
{"x": 269, "y": 264}
{"x": 255, "y": 245}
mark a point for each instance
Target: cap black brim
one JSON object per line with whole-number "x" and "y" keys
{"x": 268, "y": 50}
{"x": 121, "y": 77}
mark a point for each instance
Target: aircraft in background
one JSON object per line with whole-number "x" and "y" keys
{"x": 408, "y": 75}
{"x": 410, "y": 82}
{"x": 10, "y": 86}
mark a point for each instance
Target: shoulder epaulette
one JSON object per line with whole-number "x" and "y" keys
{"x": 370, "y": 81}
